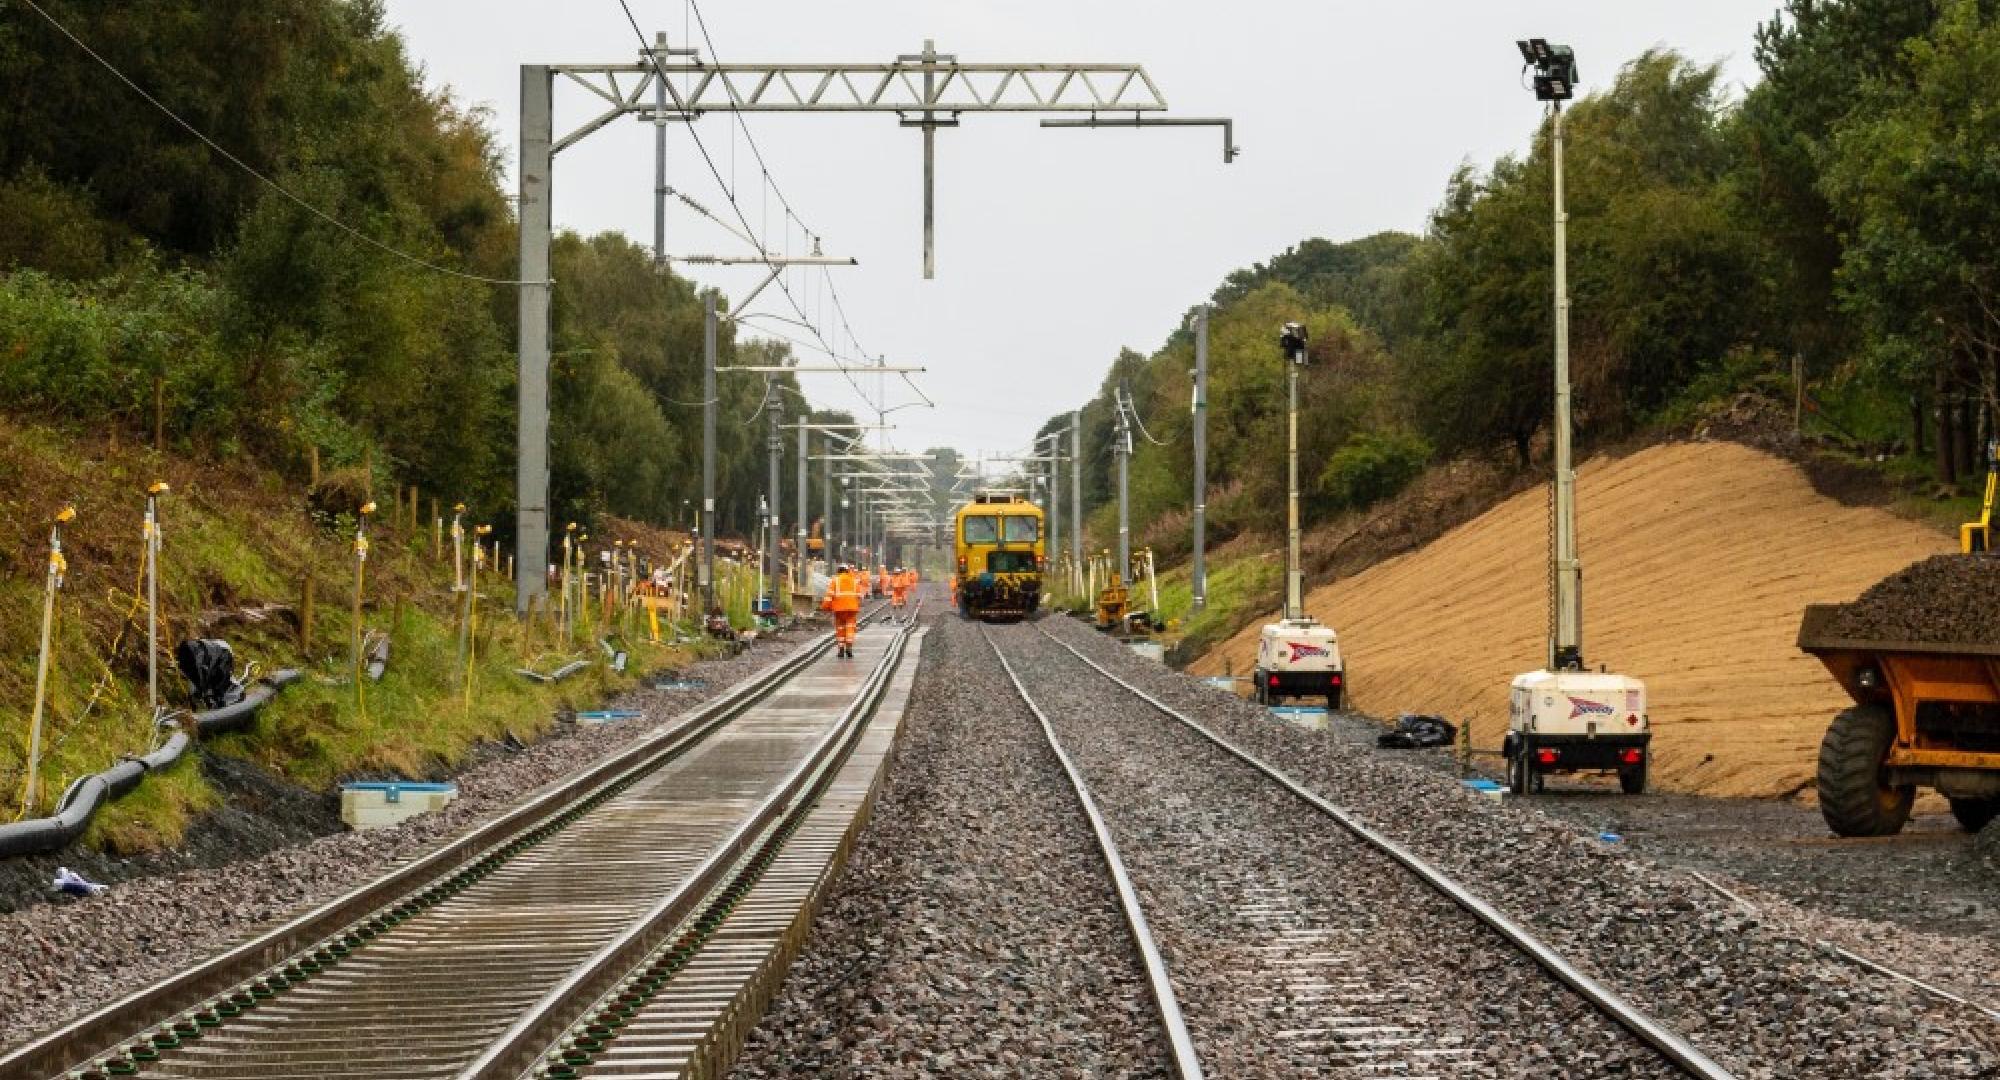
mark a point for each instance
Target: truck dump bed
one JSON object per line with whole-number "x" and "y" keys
{"x": 1816, "y": 636}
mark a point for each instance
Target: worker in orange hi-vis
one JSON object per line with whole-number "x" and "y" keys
{"x": 881, "y": 581}
{"x": 899, "y": 592}
{"x": 843, "y": 599}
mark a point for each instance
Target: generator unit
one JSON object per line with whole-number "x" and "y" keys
{"x": 1576, "y": 721}
{"x": 1299, "y": 658}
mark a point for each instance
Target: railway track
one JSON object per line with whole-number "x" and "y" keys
{"x": 1334, "y": 952}
{"x": 629, "y": 920}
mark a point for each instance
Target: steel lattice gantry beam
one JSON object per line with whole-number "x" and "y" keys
{"x": 926, "y": 90}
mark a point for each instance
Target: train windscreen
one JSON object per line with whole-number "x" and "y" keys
{"x": 984, "y": 529}
{"x": 1022, "y": 529}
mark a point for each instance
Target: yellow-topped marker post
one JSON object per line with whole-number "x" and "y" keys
{"x": 58, "y": 569}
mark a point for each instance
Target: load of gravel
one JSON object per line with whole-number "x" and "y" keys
{"x": 1943, "y": 600}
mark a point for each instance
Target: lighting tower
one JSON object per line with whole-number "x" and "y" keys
{"x": 1565, "y": 718}
{"x": 1296, "y": 656}
{"x": 1293, "y": 341}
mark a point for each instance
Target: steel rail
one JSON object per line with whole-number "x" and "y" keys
{"x": 563, "y": 1005}
{"x": 686, "y": 1008}
{"x": 1187, "y": 1065}
{"x": 102, "y": 1030}
{"x": 1670, "y": 1044}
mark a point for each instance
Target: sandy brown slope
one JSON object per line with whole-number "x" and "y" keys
{"x": 1698, "y": 558}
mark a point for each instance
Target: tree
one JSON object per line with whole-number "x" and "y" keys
{"x": 1817, "y": 58}
{"x": 1912, "y": 177}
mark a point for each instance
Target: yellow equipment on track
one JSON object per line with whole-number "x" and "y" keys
{"x": 998, "y": 537}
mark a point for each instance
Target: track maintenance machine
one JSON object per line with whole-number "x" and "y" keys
{"x": 998, "y": 536}
{"x": 1296, "y": 656}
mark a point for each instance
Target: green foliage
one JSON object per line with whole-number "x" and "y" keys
{"x": 95, "y": 350}
{"x": 1756, "y": 371}
{"x": 1913, "y": 176}
{"x": 1841, "y": 215}
{"x": 1372, "y": 466}
{"x": 1660, "y": 277}
{"x": 129, "y": 252}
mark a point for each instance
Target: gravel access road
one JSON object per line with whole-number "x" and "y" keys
{"x": 1752, "y": 992}
{"x": 69, "y": 956}
{"x": 974, "y": 933}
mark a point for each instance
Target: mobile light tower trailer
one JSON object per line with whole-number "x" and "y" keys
{"x": 1296, "y": 656}
{"x": 1564, "y": 718}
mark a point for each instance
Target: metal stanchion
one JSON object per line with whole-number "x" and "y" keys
{"x": 472, "y": 613}
{"x": 562, "y": 602}
{"x": 360, "y": 580}
{"x": 458, "y": 547}
{"x": 57, "y": 570}
{"x": 153, "y": 542}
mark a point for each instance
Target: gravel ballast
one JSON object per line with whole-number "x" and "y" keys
{"x": 1943, "y": 600}
{"x": 67, "y": 957}
{"x": 974, "y": 932}
{"x": 1766, "y": 1003}
{"x": 1293, "y": 946}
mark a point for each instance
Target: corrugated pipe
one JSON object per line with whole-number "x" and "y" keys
{"x": 237, "y": 715}
{"x": 83, "y": 797}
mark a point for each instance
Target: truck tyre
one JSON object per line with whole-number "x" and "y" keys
{"x": 1632, "y": 781}
{"x": 1973, "y": 814}
{"x": 1853, "y": 798}
{"x": 1517, "y": 770}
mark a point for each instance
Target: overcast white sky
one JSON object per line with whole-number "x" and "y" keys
{"x": 1056, "y": 248}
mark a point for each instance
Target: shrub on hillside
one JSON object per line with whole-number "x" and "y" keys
{"x": 1372, "y": 466}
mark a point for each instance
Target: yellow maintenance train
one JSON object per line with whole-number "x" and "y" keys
{"x": 998, "y": 537}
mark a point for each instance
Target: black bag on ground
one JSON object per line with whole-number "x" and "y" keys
{"x": 209, "y": 665}
{"x": 1415, "y": 732}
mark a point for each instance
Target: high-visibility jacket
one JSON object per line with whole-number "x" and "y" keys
{"x": 843, "y": 593}
{"x": 899, "y": 586}
{"x": 882, "y": 581}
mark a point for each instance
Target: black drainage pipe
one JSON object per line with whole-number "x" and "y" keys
{"x": 83, "y": 797}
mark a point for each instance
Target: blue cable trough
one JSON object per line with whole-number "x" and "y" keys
{"x": 87, "y": 794}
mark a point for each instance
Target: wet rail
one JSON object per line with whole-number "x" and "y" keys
{"x": 1180, "y": 1044}
{"x": 1674, "y": 1049}
{"x": 487, "y": 956}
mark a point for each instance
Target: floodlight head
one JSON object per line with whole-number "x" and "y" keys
{"x": 1293, "y": 340}
{"x": 1555, "y": 69}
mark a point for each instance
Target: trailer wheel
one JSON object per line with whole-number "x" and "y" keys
{"x": 1852, "y": 796}
{"x": 1632, "y": 781}
{"x": 1517, "y": 770}
{"x": 1973, "y": 814}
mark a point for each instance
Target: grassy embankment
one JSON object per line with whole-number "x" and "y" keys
{"x": 241, "y": 547}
